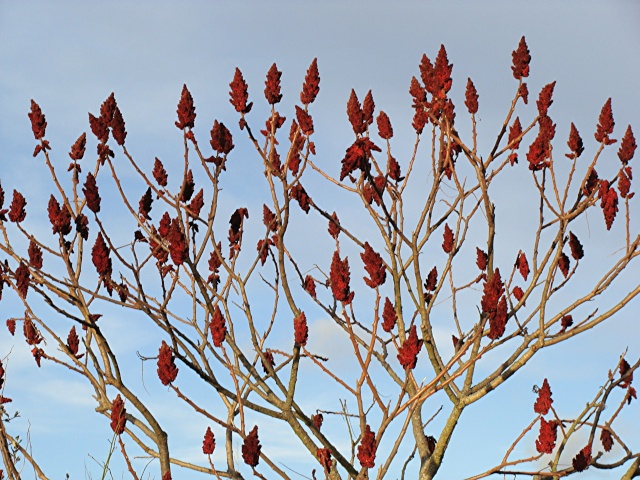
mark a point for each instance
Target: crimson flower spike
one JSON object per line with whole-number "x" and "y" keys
{"x": 627, "y": 147}
{"x": 605, "y": 125}
{"x": 521, "y": 59}
{"x": 311, "y": 85}
{"x": 186, "y": 110}
{"x": 471, "y": 97}
{"x": 239, "y": 93}
{"x": 38, "y": 122}
{"x": 355, "y": 114}
{"x": 575, "y": 143}
{"x": 167, "y": 370}
{"x": 251, "y": 448}
{"x": 272, "y": 85}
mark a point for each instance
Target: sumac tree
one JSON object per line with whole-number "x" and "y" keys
{"x": 432, "y": 250}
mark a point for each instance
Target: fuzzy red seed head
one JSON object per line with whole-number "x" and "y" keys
{"x": 471, "y": 97}
{"x": 118, "y": 418}
{"x": 374, "y": 266}
{"x": 167, "y": 370}
{"x": 272, "y": 85}
{"x": 605, "y": 125}
{"x": 311, "y": 85}
{"x": 521, "y": 59}
{"x": 543, "y": 403}
{"x": 186, "y": 110}
{"x": 408, "y": 352}
{"x": 38, "y": 122}
{"x": 209, "y": 442}
{"x": 389, "y": 316}
{"x": 239, "y": 93}
{"x": 367, "y": 448}
{"x": 218, "y": 327}
{"x": 251, "y": 448}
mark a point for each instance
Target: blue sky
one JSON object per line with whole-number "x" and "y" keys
{"x": 70, "y": 55}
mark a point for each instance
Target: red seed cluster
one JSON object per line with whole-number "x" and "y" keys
{"x": 544, "y": 99}
{"x": 60, "y": 218}
{"x": 209, "y": 442}
{"x": 367, "y": 448}
{"x": 355, "y": 114}
{"x": 214, "y": 264}
{"x": 239, "y": 94}
{"x": 564, "y": 264}
{"x": 607, "y": 439}
{"x": 374, "y": 266}
{"x": 186, "y": 110}
{"x": 100, "y": 257}
{"x": 218, "y": 327}
{"x": 494, "y": 305}
{"x": 17, "y": 212}
{"x": 221, "y": 138}
{"x": 566, "y": 322}
{"x": 300, "y": 329}
{"x": 305, "y": 121}
{"x": 22, "y": 276}
{"x": 31, "y": 333}
{"x": 389, "y": 316}
{"x": 38, "y": 122}
{"x": 540, "y": 149}
{"x": 393, "y": 170}
{"x": 623, "y": 369}
{"x": 144, "y": 205}
{"x": 117, "y": 127}
{"x": 627, "y": 146}
{"x": 299, "y": 194}
{"x": 481, "y": 259}
{"x": 543, "y": 403}
{"x": 251, "y": 448}
{"x": 35, "y": 254}
{"x": 373, "y": 191}
{"x": 447, "y": 244}
{"x": 188, "y": 187}
{"x": 521, "y": 59}
{"x": 471, "y": 97}
{"x": 73, "y": 342}
{"x": 605, "y": 125}
{"x": 357, "y": 157}
{"x": 431, "y": 282}
{"x": 167, "y": 370}
{"x": 310, "y": 286}
{"x": 196, "y": 204}
{"x": 324, "y": 457}
{"x": 340, "y": 276}
{"x": 235, "y": 229}
{"x": 159, "y": 173}
{"x": 311, "y": 85}
{"x": 583, "y": 459}
{"x": 118, "y": 418}
{"x": 608, "y": 203}
{"x": 385, "y": 130}
{"x": 408, "y": 352}
{"x": 78, "y": 148}
{"x": 334, "y": 225}
{"x": 624, "y": 182}
{"x": 272, "y": 85}
{"x": 518, "y": 293}
{"x": 575, "y": 143}
{"x": 546, "y": 441}
{"x": 522, "y": 265}
{"x": 91, "y": 194}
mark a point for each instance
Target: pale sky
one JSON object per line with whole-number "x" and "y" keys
{"x": 70, "y": 55}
